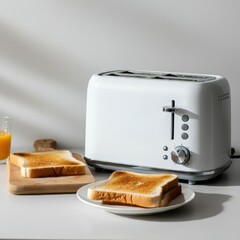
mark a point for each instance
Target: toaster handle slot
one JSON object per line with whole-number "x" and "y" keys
{"x": 171, "y": 109}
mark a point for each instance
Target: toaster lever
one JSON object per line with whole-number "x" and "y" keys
{"x": 169, "y": 109}
{"x": 172, "y": 110}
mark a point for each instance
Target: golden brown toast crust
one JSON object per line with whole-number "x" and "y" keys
{"x": 170, "y": 195}
{"x": 129, "y": 188}
{"x": 47, "y": 164}
{"x": 163, "y": 202}
{"x": 55, "y": 158}
{"x": 52, "y": 171}
{"x": 138, "y": 183}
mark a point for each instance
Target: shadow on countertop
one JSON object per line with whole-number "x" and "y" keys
{"x": 203, "y": 206}
{"x": 230, "y": 177}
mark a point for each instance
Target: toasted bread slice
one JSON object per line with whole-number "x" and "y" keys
{"x": 47, "y": 164}
{"x": 144, "y": 190}
{"x": 170, "y": 195}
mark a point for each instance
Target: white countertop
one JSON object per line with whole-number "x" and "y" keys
{"x": 213, "y": 214}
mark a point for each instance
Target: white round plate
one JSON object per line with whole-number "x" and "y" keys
{"x": 186, "y": 196}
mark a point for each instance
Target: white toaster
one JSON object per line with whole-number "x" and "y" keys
{"x": 159, "y": 122}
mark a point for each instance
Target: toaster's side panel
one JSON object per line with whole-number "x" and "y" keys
{"x": 215, "y": 122}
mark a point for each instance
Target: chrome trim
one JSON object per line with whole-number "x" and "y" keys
{"x": 191, "y": 177}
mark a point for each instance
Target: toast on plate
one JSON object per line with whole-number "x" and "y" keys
{"x": 136, "y": 189}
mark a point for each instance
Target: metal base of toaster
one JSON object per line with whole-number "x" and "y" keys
{"x": 191, "y": 177}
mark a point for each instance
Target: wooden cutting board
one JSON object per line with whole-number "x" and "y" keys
{"x": 64, "y": 184}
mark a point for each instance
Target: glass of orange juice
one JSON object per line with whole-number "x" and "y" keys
{"x": 5, "y": 137}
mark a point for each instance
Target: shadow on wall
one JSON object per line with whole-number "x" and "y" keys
{"x": 42, "y": 89}
{"x": 49, "y": 84}
{"x": 40, "y": 59}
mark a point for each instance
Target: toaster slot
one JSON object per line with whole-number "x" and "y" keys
{"x": 187, "y": 77}
{"x": 146, "y": 75}
{"x": 160, "y": 75}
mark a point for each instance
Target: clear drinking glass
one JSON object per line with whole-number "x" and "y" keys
{"x": 5, "y": 137}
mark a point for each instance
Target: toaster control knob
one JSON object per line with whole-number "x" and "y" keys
{"x": 180, "y": 155}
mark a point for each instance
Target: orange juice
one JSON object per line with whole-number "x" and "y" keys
{"x": 5, "y": 143}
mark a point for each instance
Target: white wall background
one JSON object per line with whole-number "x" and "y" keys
{"x": 49, "y": 50}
